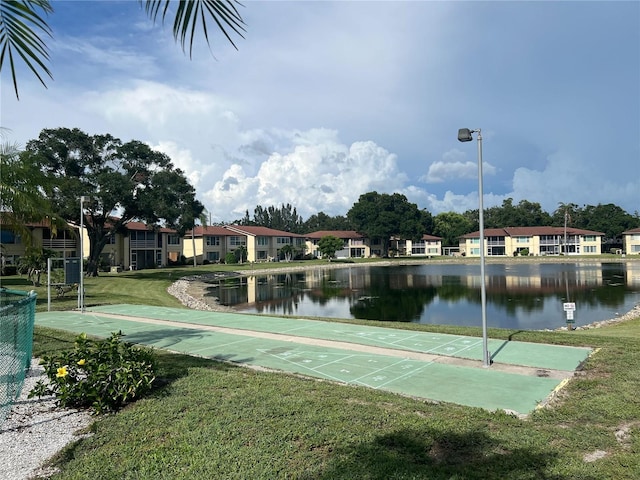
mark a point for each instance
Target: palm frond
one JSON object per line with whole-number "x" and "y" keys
{"x": 21, "y": 28}
{"x": 189, "y": 12}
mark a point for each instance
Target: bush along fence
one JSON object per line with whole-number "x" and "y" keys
{"x": 17, "y": 316}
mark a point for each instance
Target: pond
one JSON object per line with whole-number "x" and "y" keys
{"x": 519, "y": 295}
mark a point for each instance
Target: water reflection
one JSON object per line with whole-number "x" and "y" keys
{"x": 527, "y": 296}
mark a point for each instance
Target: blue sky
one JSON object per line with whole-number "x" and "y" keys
{"x": 325, "y": 101}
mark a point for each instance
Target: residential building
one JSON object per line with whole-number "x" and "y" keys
{"x": 536, "y": 241}
{"x": 64, "y": 242}
{"x": 262, "y": 244}
{"x": 354, "y": 244}
{"x": 631, "y": 241}
{"x": 427, "y": 246}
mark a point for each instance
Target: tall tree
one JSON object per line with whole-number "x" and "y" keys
{"x": 451, "y": 226}
{"x": 23, "y": 28}
{"x": 21, "y": 190}
{"x": 382, "y": 216}
{"x": 610, "y": 219}
{"x": 329, "y": 245}
{"x": 322, "y": 221}
{"x": 283, "y": 218}
{"x": 129, "y": 179}
{"x": 524, "y": 214}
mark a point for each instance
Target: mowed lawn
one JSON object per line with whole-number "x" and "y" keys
{"x": 211, "y": 420}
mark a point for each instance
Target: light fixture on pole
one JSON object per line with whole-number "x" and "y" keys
{"x": 81, "y": 286}
{"x": 464, "y": 135}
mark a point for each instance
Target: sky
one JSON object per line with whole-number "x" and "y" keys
{"x": 325, "y": 101}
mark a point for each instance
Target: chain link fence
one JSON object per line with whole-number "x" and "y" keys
{"x": 17, "y": 316}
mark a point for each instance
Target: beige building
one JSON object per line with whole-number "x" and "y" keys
{"x": 262, "y": 244}
{"x": 354, "y": 244}
{"x": 535, "y": 241}
{"x": 138, "y": 247}
{"x": 631, "y": 241}
{"x": 427, "y": 246}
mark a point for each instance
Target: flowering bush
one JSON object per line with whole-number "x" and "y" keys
{"x": 103, "y": 375}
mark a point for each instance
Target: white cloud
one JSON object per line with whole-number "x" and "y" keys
{"x": 454, "y": 166}
{"x": 319, "y": 174}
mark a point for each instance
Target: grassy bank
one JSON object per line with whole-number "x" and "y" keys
{"x": 215, "y": 420}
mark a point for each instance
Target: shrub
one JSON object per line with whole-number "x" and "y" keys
{"x": 103, "y": 375}
{"x": 230, "y": 257}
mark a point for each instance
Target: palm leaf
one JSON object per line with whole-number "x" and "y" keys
{"x": 189, "y": 12}
{"x": 20, "y": 30}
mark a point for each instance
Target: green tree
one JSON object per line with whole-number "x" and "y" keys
{"x": 284, "y": 218}
{"x": 329, "y": 245}
{"x": 382, "y": 216}
{"x": 34, "y": 262}
{"x": 129, "y": 179}
{"x": 451, "y": 226}
{"x": 524, "y": 214}
{"x": 321, "y": 221}
{"x": 23, "y": 28}
{"x": 240, "y": 254}
{"x": 21, "y": 191}
{"x": 610, "y": 219}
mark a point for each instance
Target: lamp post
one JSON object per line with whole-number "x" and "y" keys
{"x": 81, "y": 287}
{"x": 464, "y": 135}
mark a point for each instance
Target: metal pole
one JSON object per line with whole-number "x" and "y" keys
{"x": 81, "y": 289}
{"x": 486, "y": 357}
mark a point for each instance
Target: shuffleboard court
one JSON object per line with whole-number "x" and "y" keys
{"x": 194, "y": 333}
{"x": 543, "y": 356}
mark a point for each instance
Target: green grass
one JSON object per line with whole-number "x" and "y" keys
{"x": 214, "y": 420}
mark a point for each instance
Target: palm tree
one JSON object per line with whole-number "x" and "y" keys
{"x": 23, "y": 27}
{"x": 21, "y": 197}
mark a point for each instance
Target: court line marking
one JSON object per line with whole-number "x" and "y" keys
{"x": 341, "y": 345}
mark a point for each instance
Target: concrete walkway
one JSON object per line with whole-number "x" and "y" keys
{"x": 433, "y": 366}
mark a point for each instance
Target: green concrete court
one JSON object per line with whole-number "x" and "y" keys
{"x": 405, "y": 362}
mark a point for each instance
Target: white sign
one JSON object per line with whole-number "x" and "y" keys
{"x": 569, "y": 306}
{"x": 569, "y": 314}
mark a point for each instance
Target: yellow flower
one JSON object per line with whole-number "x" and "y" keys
{"x": 62, "y": 372}
{"x": 82, "y": 362}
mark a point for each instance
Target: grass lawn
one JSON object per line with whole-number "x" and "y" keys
{"x": 212, "y": 420}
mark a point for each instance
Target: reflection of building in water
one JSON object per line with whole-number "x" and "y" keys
{"x": 632, "y": 276}
{"x": 347, "y": 282}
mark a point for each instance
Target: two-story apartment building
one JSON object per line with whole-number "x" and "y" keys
{"x": 631, "y": 241}
{"x": 354, "y": 244}
{"x": 357, "y": 245}
{"x": 262, "y": 244}
{"x": 427, "y": 246}
{"x": 139, "y": 246}
{"x": 534, "y": 241}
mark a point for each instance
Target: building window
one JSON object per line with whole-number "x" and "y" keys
{"x": 589, "y": 238}
{"x": 589, "y": 249}
{"x": 7, "y": 236}
{"x": 475, "y": 241}
{"x": 212, "y": 241}
{"x": 236, "y": 241}
{"x": 213, "y": 256}
{"x": 475, "y": 251}
{"x": 417, "y": 250}
{"x": 173, "y": 239}
{"x": 635, "y": 248}
{"x": 263, "y": 241}
{"x": 283, "y": 240}
{"x": 523, "y": 239}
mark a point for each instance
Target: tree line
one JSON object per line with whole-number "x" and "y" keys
{"x": 128, "y": 181}
{"x": 384, "y": 215}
